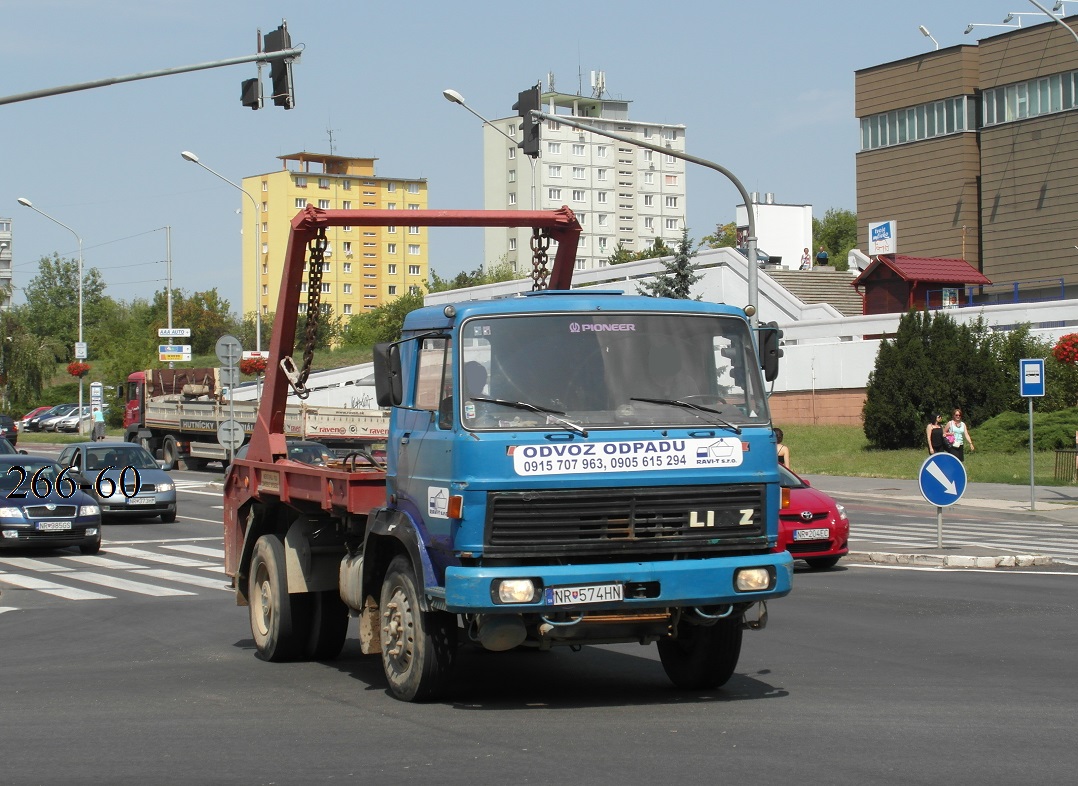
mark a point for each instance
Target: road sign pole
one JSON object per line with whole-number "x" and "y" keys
{"x": 1032, "y": 486}
{"x": 939, "y": 527}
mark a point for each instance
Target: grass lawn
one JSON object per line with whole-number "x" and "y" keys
{"x": 843, "y": 450}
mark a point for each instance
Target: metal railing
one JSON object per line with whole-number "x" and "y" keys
{"x": 1035, "y": 291}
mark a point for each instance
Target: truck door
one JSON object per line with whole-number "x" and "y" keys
{"x": 424, "y": 439}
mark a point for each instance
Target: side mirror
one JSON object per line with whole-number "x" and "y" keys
{"x": 388, "y": 385}
{"x": 770, "y": 343}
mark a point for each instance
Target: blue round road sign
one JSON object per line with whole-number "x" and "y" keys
{"x": 942, "y": 479}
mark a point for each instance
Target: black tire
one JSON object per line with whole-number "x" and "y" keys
{"x": 277, "y": 621}
{"x": 822, "y": 563}
{"x": 90, "y": 548}
{"x": 702, "y": 657}
{"x": 168, "y": 516}
{"x": 329, "y": 625}
{"x": 418, "y": 647}
{"x": 169, "y": 451}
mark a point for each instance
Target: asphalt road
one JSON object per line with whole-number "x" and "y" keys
{"x": 864, "y": 674}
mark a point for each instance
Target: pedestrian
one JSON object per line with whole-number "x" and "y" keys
{"x": 821, "y": 258}
{"x": 806, "y": 260}
{"x": 99, "y": 425}
{"x": 783, "y": 451}
{"x": 960, "y": 433}
{"x": 934, "y": 434}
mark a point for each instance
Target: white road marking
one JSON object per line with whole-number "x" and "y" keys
{"x": 167, "y": 559}
{"x": 104, "y": 562}
{"x": 50, "y": 588}
{"x": 205, "y": 551}
{"x": 26, "y": 563}
{"x": 184, "y": 578}
{"x": 126, "y": 584}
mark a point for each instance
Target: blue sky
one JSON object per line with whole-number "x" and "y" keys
{"x": 765, "y": 89}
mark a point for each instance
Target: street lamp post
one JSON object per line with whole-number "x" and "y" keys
{"x": 27, "y": 203}
{"x": 189, "y": 156}
{"x": 454, "y": 97}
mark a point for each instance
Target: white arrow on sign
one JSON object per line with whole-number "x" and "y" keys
{"x": 948, "y": 484}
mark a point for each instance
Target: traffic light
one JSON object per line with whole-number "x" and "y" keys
{"x": 770, "y": 350}
{"x": 251, "y": 93}
{"x": 526, "y": 102}
{"x": 280, "y": 70}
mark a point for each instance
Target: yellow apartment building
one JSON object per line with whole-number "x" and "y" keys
{"x": 364, "y": 266}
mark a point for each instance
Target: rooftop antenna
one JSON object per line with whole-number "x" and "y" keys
{"x": 332, "y": 147}
{"x": 550, "y": 81}
{"x": 598, "y": 84}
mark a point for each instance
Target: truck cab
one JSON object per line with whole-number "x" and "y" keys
{"x": 585, "y": 466}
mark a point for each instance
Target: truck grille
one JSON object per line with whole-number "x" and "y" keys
{"x": 620, "y": 521}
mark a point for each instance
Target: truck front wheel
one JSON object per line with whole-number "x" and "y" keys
{"x": 702, "y": 657}
{"x": 169, "y": 451}
{"x": 418, "y": 647}
{"x": 277, "y": 629}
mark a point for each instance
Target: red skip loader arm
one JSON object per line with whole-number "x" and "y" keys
{"x": 268, "y": 439}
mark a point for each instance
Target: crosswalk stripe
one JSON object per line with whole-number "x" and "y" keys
{"x": 51, "y": 588}
{"x": 205, "y": 551}
{"x": 168, "y": 559}
{"x": 102, "y": 562}
{"x": 184, "y": 578}
{"x": 126, "y": 584}
{"x": 26, "y": 563}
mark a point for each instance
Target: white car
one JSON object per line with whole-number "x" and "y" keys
{"x": 70, "y": 421}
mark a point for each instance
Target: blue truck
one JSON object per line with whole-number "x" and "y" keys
{"x": 563, "y": 468}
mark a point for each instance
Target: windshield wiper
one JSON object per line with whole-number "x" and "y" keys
{"x": 676, "y": 402}
{"x": 553, "y": 413}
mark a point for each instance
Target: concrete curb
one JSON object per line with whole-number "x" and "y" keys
{"x": 949, "y": 560}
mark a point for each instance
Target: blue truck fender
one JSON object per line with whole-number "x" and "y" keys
{"x": 390, "y": 531}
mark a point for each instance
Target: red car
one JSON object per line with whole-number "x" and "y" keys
{"x": 812, "y": 526}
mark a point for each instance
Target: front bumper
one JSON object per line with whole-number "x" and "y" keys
{"x": 675, "y": 583}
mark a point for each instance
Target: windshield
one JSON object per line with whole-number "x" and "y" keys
{"x": 609, "y": 370}
{"x": 12, "y": 473}
{"x": 120, "y": 456}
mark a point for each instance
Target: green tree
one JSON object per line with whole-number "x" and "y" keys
{"x": 27, "y": 362}
{"x": 837, "y": 233}
{"x": 679, "y": 276}
{"x": 930, "y": 366}
{"x": 503, "y": 271}
{"x": 381, "y": 324}
{"x": 206, "y": 313}
{"x": 725, "y": 236}
{"x": 52, "y": 300}
{"x": 658, "y": 248}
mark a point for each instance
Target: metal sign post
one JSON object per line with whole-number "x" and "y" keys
{"x": 942, "y": 480}
{"x": 1031, "y": 385}
{"x": 229, "y": 350}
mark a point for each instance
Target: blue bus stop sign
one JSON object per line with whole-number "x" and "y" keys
{"x": 1030, "y": 377}
{"x": 942, "y": 479}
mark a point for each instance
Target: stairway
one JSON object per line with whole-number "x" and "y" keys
{"x": 821, "y": 285}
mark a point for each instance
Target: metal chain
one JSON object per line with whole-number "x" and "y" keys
{"x": 317, "y": 248}
{"x": 540, "y": 242}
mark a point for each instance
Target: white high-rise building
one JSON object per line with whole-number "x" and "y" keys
{"x": 620, "y": 193}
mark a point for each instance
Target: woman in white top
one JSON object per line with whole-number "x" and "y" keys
{"x": 961, "y": 433}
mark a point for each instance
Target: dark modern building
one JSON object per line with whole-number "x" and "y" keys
{"x": 973, "y": 150}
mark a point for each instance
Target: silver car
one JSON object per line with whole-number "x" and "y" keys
{"x": 125, "y": 479}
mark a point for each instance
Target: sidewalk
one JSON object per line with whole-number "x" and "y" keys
{"x": 1051, "y": 503}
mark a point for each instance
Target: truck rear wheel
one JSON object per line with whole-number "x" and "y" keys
{"x": 702, "y": 657}
{"x": 418, "y": 647}
{"x": 329, "y": 625}
{"x": 277, "y": 628}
